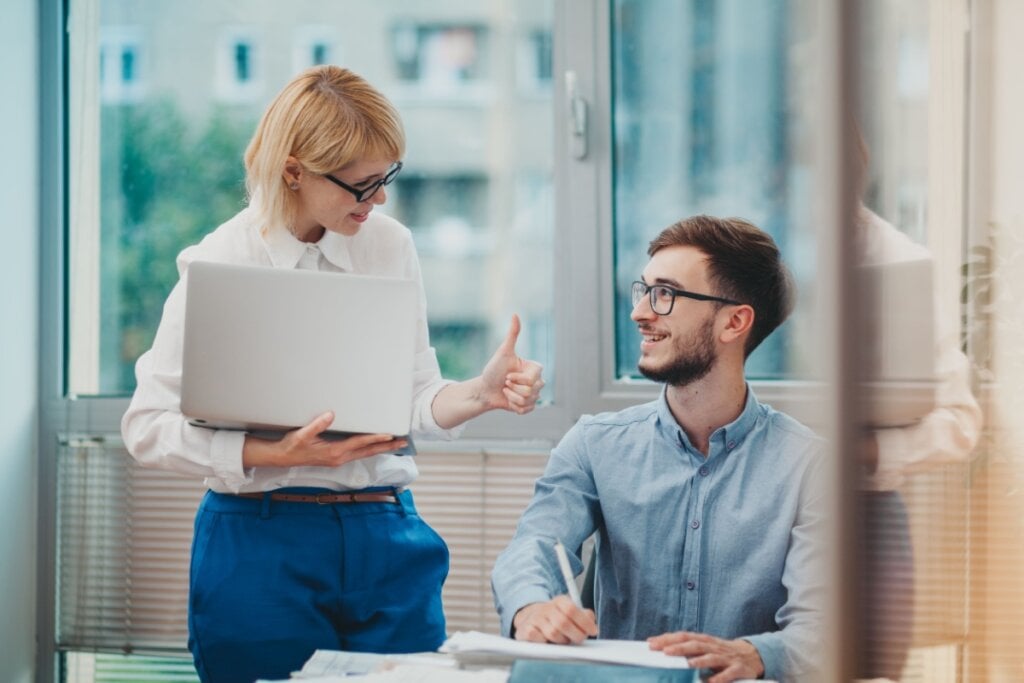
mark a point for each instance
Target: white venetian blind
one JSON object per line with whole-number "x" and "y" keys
{"x": 474, "y": 501}
{"x": 123, "y": 540}
{"x": 124, "y": 534}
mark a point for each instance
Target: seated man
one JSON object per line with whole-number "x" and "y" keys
{"x": 705, "y": 502}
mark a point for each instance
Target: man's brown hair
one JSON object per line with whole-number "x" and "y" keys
{"x": 744, "y": 264}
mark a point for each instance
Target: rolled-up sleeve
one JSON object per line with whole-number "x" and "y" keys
{"x": 154, "y": 430}
{"x": 427, "y": 380}
{"x": 793, "y": 653}
{"x": 564, "y": 508}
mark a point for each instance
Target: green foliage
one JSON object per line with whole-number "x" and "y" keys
{"x": 165, "y": 182}
{"x": 459, "y": 348}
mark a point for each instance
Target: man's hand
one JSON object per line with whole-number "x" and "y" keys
{"x": 729, "y": 659}
{"x": 555, "y": 621}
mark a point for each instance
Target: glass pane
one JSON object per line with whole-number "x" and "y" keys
{"x": 164, "y": 98}
{"x": 87, "y": 667}
{"x": 707, "y": 119}
{"x": 916, "y": 502}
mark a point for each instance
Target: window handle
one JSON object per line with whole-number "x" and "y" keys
{"x": 577, "y": 110}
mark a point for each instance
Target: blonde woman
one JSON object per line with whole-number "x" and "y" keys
{"x": 275, "y": 575}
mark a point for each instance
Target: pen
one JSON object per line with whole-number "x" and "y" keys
{"x": 570, "y": 581}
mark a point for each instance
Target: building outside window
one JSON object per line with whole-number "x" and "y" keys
{"x": 315, "y": 44}
{"x": 238, "y": 66}
{"x": 440, "y": 57}
{"x": 121, "y": 64}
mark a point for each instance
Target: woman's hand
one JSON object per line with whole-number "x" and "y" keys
{"x": 508, "y": 382}
{"x": 305, "y": 446}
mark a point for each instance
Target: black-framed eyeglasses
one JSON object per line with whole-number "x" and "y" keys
{"x": 365, "y": 193}
{"x": 663, "y": 297}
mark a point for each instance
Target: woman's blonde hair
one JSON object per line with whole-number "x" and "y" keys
{"x": 327, "y": 117}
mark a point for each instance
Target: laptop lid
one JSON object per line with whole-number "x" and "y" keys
{"x": 900, "y": 341}
{"x": 269, "y": 349}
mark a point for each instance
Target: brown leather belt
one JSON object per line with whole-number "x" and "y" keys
{"x": 327, "y": 498}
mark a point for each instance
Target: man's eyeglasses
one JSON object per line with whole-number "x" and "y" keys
{"x": 663, "y": 297}
{"x": 365, "y": 193}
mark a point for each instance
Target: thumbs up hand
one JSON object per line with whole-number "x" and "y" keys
{"x": 510, "y": 382}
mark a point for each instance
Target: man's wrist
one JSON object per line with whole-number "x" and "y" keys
{"x": 755, "y": 655}
{"x": 515, "y": 618}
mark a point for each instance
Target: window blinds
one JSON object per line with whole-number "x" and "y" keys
{"x": 123, "y": 540}
{"x": 124, "y": 534}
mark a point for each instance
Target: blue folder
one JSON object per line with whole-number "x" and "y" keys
{"x": 548, "y": 671}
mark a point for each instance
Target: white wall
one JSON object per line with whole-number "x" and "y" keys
{"x": 19, "y": 304}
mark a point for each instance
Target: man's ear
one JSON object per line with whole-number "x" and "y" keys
{"x": 738, "y": 324}
{"x": 292, "y": 172}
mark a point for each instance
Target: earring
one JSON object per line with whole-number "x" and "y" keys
{"x": 294, "y": 186}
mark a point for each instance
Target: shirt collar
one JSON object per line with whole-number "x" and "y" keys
{"x": 285, "y": 250}
{"x": 728, "y": 436}
{"x": 337, "y": 249}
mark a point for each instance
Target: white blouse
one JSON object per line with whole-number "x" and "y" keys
{"x": 950, "y": 432}
{"x": 157, "y": 434}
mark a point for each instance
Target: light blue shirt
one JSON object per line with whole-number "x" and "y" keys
{"x": 729, "y": 545}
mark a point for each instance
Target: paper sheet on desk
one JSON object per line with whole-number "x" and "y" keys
{"x": 496, "y": 649}
{"x": 328, "y": 663}
{"x": 411, "y": 673}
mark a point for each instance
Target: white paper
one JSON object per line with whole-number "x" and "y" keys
{"x": 412, "y": 673}
{"x": 327, "y": 663}
{"x": 633, "y": 652}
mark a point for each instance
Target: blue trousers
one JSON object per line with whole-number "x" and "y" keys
{"x": 272, "y": 581}
{"x": 887, "y": 621}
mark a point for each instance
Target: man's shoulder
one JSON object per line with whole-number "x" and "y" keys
{"x": 627, "y": 417}
{"x": 785, "y": 427}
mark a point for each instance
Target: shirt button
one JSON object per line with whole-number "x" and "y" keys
{"x": 703, "y": 471}
{"x": 732, "y": 445}
{"x": 690, "y": 585}
{"x": 360, "y": 480}
{"x": 695, "y": 523}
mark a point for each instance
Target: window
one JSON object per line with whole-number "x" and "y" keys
{"x": 721, "y": 141}
{"x": 314, "y": 45}
{"x": 238, "y": 65}
{"x": 170, "y": 169}
{"x": 152, "y": 174}
{"x": 440, "y": 58}
{"x": 120, "y": 65}
{"x": 534, "y": 66}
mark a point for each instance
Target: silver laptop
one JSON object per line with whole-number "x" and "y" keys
{"x": 900, "y": 351}
{"x": 268, "y": 349}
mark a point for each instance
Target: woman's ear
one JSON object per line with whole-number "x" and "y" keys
{"x": 292, "y": 173}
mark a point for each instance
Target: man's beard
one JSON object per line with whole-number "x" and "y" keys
{"x": 695, "y": 358}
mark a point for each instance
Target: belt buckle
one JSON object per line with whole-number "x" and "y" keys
{"x": 322, "y": 502}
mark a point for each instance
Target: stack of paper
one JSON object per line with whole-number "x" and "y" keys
{"x": 333, "y": 666}
{"x": 480, "y": 648}
{"x": 411, "y": 673}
